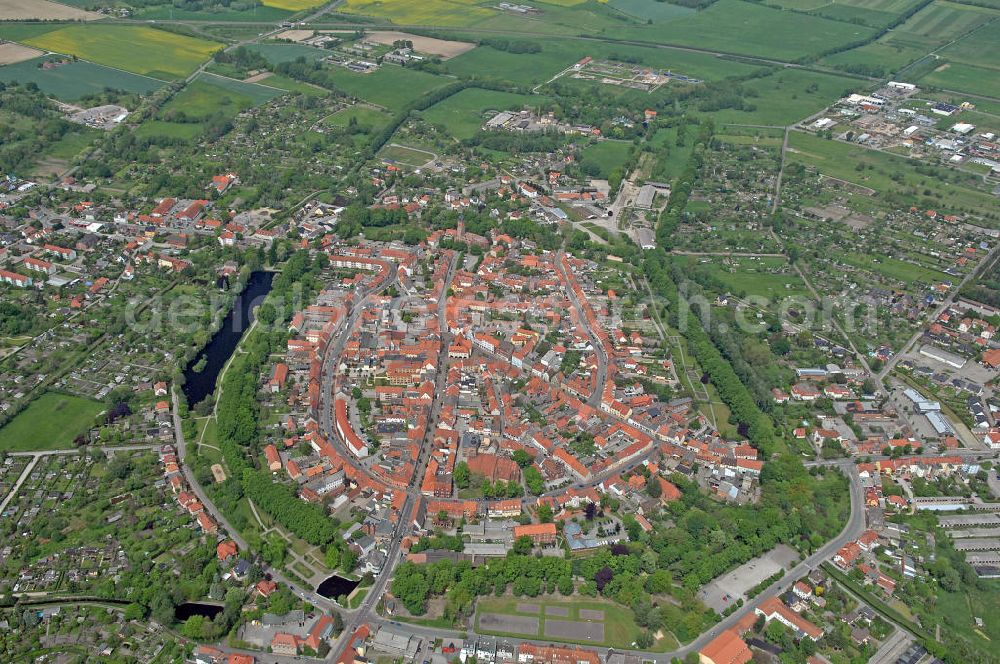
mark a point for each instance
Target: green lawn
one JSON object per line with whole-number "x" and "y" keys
{"x": 366, "y": 117}
{"x": 50, "y": 422}
{"x": 258, "y": 94}
{"x": 138, "y": 49}
{"x": 608, "y": 155}
{"x": 292, "y": 85}
{"x": 756, "y": 277}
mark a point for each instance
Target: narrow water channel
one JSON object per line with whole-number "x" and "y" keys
{"x": 200, "y": 384}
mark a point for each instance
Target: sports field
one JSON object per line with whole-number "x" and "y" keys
{"x": 258, "y": 94}
{"x": 591, "y": 622}
{"x": 74, "y": 80}
{"x": 462, "y": 114}
{"x": 762, "y": 277}
{"x": 139, "y": 49}
{"x": 406, "y": 156}
{"x": 50, "y": 422}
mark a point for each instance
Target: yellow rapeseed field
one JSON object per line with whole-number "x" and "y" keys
{"x": 138, "y": 49}
{"x": 425, "y": 12}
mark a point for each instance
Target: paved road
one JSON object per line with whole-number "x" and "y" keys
{"x": 602, "y": 356}
{"x": 20, "y": 480}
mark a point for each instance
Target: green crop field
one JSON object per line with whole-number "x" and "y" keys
{"x": 390, "y": 86}
{"x": 462, "y": 114}
{"x": 887, "y": 53}
{"x": 278, "y": 53}
{"x": 964, "y": 78}
{"x": 138, "y": 49}
{"x": 425, "y": 12}
{"x": 944, "y": 21}
{"x": 74, "y": 80}
{"x": 887, "y": 173}
{"x": 50, "y": 422}
{"x": 258, "y": 94}
{"x": 650, "y": 9}
{"x": 292, "y": 85}
{"x": 788, "y": 96}
{"x": 558, "y": 54}
{"x": 260, "y": 13}
{"x": 733, "y": 26}
{"x": 980, "y": 48}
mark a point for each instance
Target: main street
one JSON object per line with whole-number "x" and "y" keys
{"x": 602, "y": 356}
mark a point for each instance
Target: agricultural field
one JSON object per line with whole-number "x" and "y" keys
{"x": 426, "y": 12}
{"x": 292, "y": 85}
{"x": 443, "y": 48}
{"x": 882, "y": 57}
{"x": 258, "y": 94}
{"x": 262, "y": 13}
{"x": 73, "y": 80}
{"x": 558, "y": 54}
{"x": 964, "y": 78}
{"x": 461, "y": 115}
{"x": 944, "y": 21}
{"x": 42, "y": 10}
{"x": 787, "y": 96}
{"x": 51, "y": 422}
{"x": 733, "y": 26}
{"x": 650, "y": 9}
{"x": 138, "y": 49}
{"x": 293, "y": 5}
{"x": 972, "y": 64}
{"x": 279, "y": 53}
{"x": 876, "y": 13}
{"x": 11, "y": 53}
{"x": 391, "y": 87}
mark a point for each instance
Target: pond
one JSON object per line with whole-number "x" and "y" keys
{"x": 188, "y": 609}
{"x": 202, "y": 372}
{"x": 334, "y": 586}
